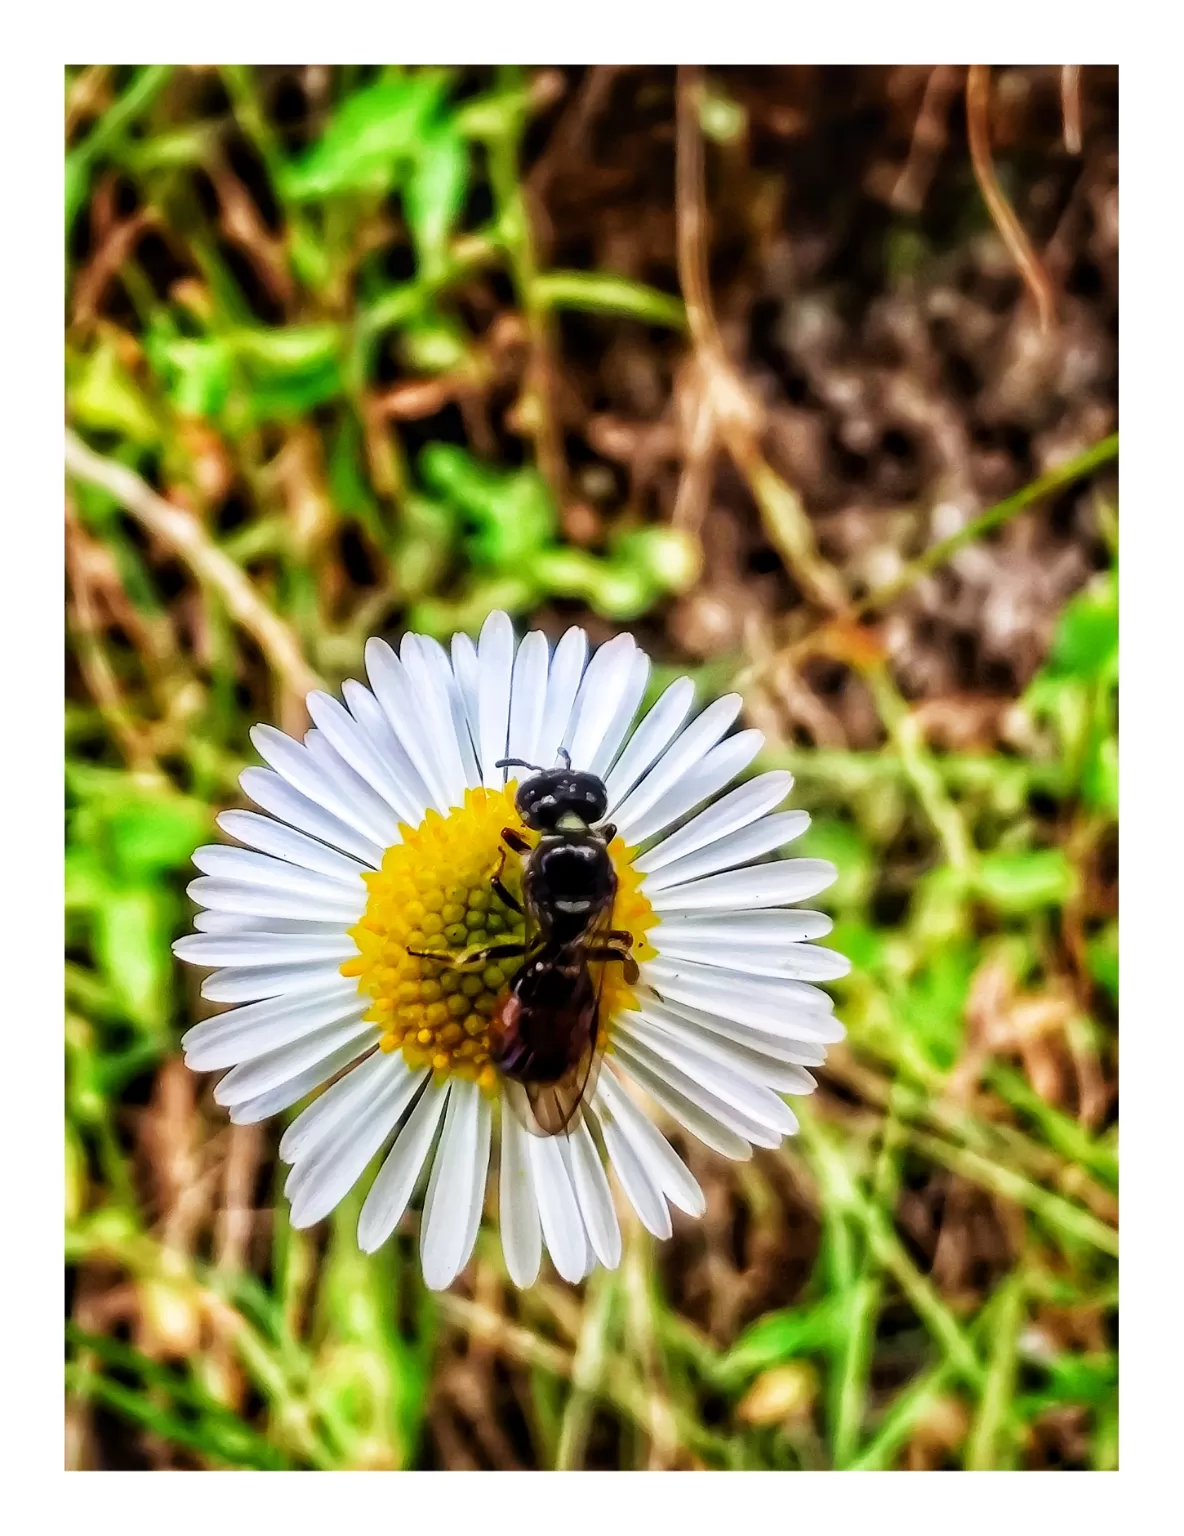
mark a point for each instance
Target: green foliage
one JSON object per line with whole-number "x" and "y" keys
{"x": 375, "y": 138}
{"x": 1076, "y": 693}
{"x": 959, "y": 873}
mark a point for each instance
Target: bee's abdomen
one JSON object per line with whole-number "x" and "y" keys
{"x": 544, "y": 1023}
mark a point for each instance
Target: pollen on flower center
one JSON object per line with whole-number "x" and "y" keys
{"x": 434, "y": 892}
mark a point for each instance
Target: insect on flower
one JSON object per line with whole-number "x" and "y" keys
{"x": 480, "y": 895}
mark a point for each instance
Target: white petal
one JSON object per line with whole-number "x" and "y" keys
{"x": 705, "y": 779}
{"x": 477, "y": 1203}
{"x": 741, "y": 847}
{"x": 355, "y": 746}
{"x": 796, "y": 962}
{"x": 563, "y": 681}
{"x": 436, "y": 717}
{"x": 522, "y": 1241}
{"x": 662, "y": 1049}
{"x": 252, "y": 1078}
{"x": 594, "y": 1196}
{"x": 293, "y": 1089}
{"x": 327, "y": 780}
{"x": 626, "y": 712}
{"x": 745, "y": 804}
{"x": 267, "y": 789}
{"x": 769, "y": 929}
{"x": 259, "y": 1028}
{"x": 650, "y": 739}
{"x": 313, "y": 1125}
{"x": 495, "y": 663}
{"x": 763, "y": 885}
{"x": 371, "y": 718}
{"x": 663, "y": 1164}
{"x": 451, "y": 1188}
{"x": 769, "y": 1040}
{"x": 261, "y": 869}
{"x": 602, "y": 689}
{"x": 336, "y": 906}
{"x": 394, "y": 692}
{"x": 642, "y": 1191}
{"x": 750, "y": 1060}
{"x": 777, "y": 995}
{"x": 282, "y": 842}
{"x": 369, "y": 808}
{"x": 678, "y": 759}
{"x": 565, "y": 1144}
{"x": 318, "y": 1183}
{"x": 791, "y": 1020}
{"x": 256, "y": 982}
{"x": 263, "y": 949}
{"x": 395, "y": 1183}
{"x": 225, "y": 923}
{"x": 715, "y": 1122}
{"x": 437, "y": 660}
{"x": 559, "y": 1211}
{"x": 528, "y": 698}
{"x": 468, "y": 682}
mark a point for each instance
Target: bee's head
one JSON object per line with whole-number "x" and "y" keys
{"x": 551, "y": 795}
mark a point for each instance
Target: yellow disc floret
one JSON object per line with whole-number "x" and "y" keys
{"x": 435, "y": 892}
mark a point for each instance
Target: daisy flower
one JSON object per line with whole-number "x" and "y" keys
{"x": 377, "y": 844}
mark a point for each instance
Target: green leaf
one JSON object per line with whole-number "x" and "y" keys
{"x": 435, "y": 194}
{"x": 148, "y": 837}
{"x": 197, "y": 373}
{"x": 104, "y": 397}
{"x": 1086, "y": 642}
{"x": 423, "y": 544}
{"x": 131, "y": 938}
{"x": 372, "y": 138}
{"x": 670, "y": 559}
{"x": 1099, "y": 777}
{"x": 605, "y": 293}
{"x": 1025, "y": 882}
{"x": 781, "y": 1336}
{"x": 512, "y": 516}
{"x": 433, "y": 345}
{"x": 932, "y": 1007}
{"x": 1102, "y": 952}
{"x": 277, "y": 354}
{"x": 86, "y": 879}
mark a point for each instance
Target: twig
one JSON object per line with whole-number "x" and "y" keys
{"x": 587, "y": 1370}
{"x": 1071, "y": 106}
{"x": 572, "y": 130}
{"x": 978, "y": 101}
{"x": 930, "y": 136}
{"x": 92, "y": 659}
{"x": 517, "y": 238}
{"x": 736, "y": 415}
{"x": 1003, "y": 511}
{"x": 184, "y": 534}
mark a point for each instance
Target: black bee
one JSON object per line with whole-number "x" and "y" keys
{"x": 544, "y": 1032}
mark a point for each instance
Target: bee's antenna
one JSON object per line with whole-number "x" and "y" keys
{"x": 565, "y": 755}
{"x": 516, "y": 762}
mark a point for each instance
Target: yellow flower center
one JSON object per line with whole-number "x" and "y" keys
{"x": 435, "y": 892}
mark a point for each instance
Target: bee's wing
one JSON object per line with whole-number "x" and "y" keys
{"x": 555, "y": 1109}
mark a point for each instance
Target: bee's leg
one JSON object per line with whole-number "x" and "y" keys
{"x": 514, "y": 839}
{"x": 621, "y": 937}
{"x": 499, "y": 884}
{"x": 474, "y": 958}
{"x": 608, "y": 831}
{"x": 608, "y": 952}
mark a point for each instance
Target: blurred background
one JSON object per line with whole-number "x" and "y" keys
{"x": 808, "y": 377}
